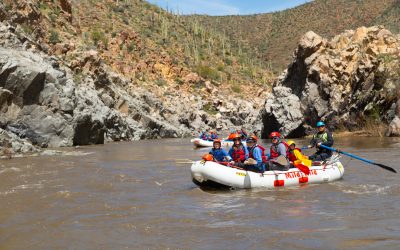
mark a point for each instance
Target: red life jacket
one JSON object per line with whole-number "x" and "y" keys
{"x": 291, "y": 155}
{"x": 239, "y": 155}
{"x": 274, "y": 150}
{"x": 264, "y": 158}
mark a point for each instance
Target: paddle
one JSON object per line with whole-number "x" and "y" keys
{"x": 359, "y": 158}
{"x": 302, "y": 168}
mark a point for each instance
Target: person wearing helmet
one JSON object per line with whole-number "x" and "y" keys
{"x": 293, "y": 152}
{"x": 238, "y": 152}
{"x": 231, "y": 136}
{"x": 322, "y": 137}
{"x": 256, "y": 152}
{"x": 219, "y": 153}
{"x": 278, "y": 154}
{"x": 213, "y": 135}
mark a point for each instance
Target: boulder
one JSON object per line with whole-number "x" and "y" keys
{"x": 88, "y": 131}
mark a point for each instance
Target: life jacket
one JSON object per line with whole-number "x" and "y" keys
{"x": 239, "y": 155}
{"x": 264, "y": 158}
{"x": 291, "y": 156}
{"x": 323, "y": 137}
{"x": 218, "y": 154}
{"x": 274, "y": 150}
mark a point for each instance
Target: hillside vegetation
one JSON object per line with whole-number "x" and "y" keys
{"x": 142, "y": 42}
{"x": 274, "y": 36}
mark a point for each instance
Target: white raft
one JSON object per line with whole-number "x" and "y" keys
{"x": 203, "y": 143}
{"x": 213, "y": 174}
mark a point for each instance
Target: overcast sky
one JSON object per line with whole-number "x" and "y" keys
{"x": 227, "y": 7}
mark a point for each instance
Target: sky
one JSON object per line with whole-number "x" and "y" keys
{"x": 226, "y": 7}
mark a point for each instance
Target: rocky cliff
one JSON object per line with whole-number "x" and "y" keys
{"x": 350, "y": 82}
{"x": 59, "y": 94}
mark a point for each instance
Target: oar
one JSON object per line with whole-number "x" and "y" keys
{"x": 359, "y": 158}
{"x": 303, "y": 168}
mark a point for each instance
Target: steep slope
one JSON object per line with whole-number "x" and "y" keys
{"x": 86, "y": 72}
{"x": 390, "y": 18}
{"x": 275, "y": 35}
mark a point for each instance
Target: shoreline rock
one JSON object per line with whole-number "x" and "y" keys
{"x": 348, "y": 82}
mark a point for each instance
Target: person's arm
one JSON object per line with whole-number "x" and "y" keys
{"x": 246, "y": 153}
{"x": 227, "y": 157}
{"x": 257, "y": 155}
{"x": 313, "y": 142}
{"x": 282, "y": 149}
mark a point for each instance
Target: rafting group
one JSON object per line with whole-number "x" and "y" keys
{"x": 210, "y": 135}
{"x": 282, "y": 155}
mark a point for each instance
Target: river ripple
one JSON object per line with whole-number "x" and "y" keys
{"x": 135, "y": 195}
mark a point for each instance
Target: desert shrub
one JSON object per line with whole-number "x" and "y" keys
{"x": 210, "y": 109}
{"x": 54, "y": 37}
{"x": 207, "y": 72}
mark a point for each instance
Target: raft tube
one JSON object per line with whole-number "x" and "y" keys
{"x": 209, "y": 173}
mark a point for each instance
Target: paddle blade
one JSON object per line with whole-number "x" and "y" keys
{"x": 303, "y": 168}
{"x": 385, "y": 167}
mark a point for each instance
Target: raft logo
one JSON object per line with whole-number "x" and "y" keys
{"x": 299, "y": 174}
{"x": 241, "y": 174}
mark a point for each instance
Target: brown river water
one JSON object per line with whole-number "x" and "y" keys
{"x": 135, "y": 195}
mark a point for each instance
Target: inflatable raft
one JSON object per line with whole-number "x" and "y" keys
{"x": 203, "y": 143}
{"x": 213, "y": 174}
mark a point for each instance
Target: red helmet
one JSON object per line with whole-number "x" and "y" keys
{"x": 235, "y": 136}
{"x": 274, "y": 134}
{"x": 217, "y": 141}
{"x": 208, "y": 157}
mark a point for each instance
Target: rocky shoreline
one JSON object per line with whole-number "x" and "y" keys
{"x": 351, "y": 82}
{"x": 43, "y": 104}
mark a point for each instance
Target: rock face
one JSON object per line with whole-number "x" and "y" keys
{"x": 44, "y": 104}
{"x": 348, "y": 81}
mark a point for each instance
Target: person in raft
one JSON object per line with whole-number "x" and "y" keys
{"x": 294, "y": 155}
{"x": 278, "y": 154}
{"x": 322, "y": 137}
{"x": 257, "y": 158}
{"x": 219, "y": 153}
{"x": 231, "y": 136}
{"x": 238, "y": 151}
{"x": 213, "y": 135}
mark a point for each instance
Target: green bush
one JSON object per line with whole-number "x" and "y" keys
{"x": 210, "y": 109}
{"x": 160, "y": 82}
{"x": 131, "y": 47}
{"x": 236, "y": 88}
{"x": 54, "y": 37}
{"x": 207, "y": 72}
{"x": 98, "y": 36}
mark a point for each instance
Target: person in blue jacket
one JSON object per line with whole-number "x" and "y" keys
{"x": 213, "y": 135}
{"x": 219, "y": 153}
{"x": 256, "y": 152}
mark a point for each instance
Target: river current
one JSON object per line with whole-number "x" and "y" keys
{"x": 137, "y": 195}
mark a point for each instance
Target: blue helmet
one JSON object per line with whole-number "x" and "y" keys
{"x": 320, "y": 124}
